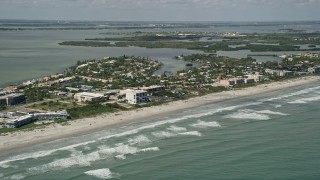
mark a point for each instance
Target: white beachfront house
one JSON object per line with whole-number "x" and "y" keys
{"x": 88, "y": 97}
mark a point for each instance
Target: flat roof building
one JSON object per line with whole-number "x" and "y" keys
{"x": 88, "y": 97}
{"x": 152, "y": 89}
{"x": 135, "y": 96}
{"x": 236, "y": 81}
{"x": 12, "y": 99}
{"x": 19, "y": 121}
{"x": 51, "y": 115}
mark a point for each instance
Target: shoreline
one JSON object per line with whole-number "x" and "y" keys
{"x": 21, "y": 139}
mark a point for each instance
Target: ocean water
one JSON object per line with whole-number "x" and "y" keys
{"x": 274, "y": 136}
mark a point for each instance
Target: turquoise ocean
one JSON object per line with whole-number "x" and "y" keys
{"x": 270, "y": 136}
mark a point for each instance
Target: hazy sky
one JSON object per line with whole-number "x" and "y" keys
{"x": 161, "y": 10}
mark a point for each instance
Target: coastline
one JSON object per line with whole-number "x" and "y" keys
{"x": 52, "y": 132}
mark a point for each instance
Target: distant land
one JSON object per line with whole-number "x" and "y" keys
{"x": 159, "y": 100}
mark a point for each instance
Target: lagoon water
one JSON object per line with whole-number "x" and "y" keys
{"x": 25, "y": 55}
{"x": 274, "y": 136}
{"x": 29, "y": 54}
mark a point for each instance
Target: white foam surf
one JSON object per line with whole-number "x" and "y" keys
{"x": 87, "y": 148}
{"x": 247, "y": 115}
{"x": 141, "y": 139}
{"x": 301, "y": 92}
{"x": 277, "y": 106}
{"x": 168, "y": 134}
{"x": 163, "y": 134}
{"x": 271, "y": 112}
{"x": 38, "y": 154}
{"x": 121, "y": 156}
{"x": 15, "y": 177}
{"x": 77, "y": 158}
{"x": 204, "y": 124}
{"x": 150, "y": 149}
{"x": 176, "y": 129}
{"x": 83, "y": 159}
{"x": 100, "y": 173}
{"x": 60, "y": 164}
{"x": 5, "y": 164}
{"x": 254, "y": 115}
{"x": 297, "y": 102}
{"x": 305, "y": 100}
{"x": 119, "y": 149}
{"x": 175, "y": 120}
{"x": 191, "y": 133}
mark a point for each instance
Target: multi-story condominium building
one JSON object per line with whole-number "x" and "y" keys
{"x": 135, "y": 96}
{"x": 12, "y": 99}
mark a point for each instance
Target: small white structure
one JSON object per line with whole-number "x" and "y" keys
{"x": 88, "y": 97}
{"x": 135, "y": 96}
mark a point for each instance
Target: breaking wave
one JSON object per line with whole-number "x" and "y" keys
{"x": 163, "y": 134}
{"x": 176, "y": 129}
{"x": 77, "y": 158}
{"x": 35, "y": 155}
{"x": 166, "y": 134}
{"x": 121, "y": 156}
{"x": 191, "y": 133}
{"x": 100, "y": 173}
{"x": 119, "y": 149}
{"x": 15, "y": 177}
{"x": 175, "y": 120}
{"x": 141, "y": 139}
{"x": 87, "y": 148}
{"x": 248, "y": 115}
{"x": 149, "y": 149}
{"x": 301, "y": 92}
{"x": 277, "y": 106}
{"x": 305, "y": 100}
{"x": 38, "y": 154}
{"x": 254, "y": 115}
{"x": 204, "y": 124}
{"x": 271, "y": 112}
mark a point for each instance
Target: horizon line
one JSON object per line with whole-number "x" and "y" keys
{"x": 79, "y": 20}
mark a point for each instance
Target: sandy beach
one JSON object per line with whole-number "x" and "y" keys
{"x": 93, "y": 124}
